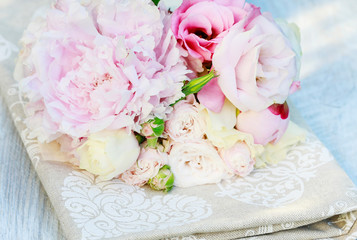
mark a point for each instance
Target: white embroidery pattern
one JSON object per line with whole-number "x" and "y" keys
{"x": 106, "y": 209}
{"x": 289, "y": 225}
{"x": 280, "y": 184}
{"x": 260, "y": 230}
{"x": 185, "y": 238}
{"x": 17, "y": 109}
{"x": 344, "y": 215}
{"x": 6, "y": 48}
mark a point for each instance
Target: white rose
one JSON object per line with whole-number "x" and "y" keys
{"x": 185, "y": 122}
{"x": 196, "y": 163}
{"x": 108, "y": 153}
{"x": 148, "y": 165}
{"x": 238, "y": 158}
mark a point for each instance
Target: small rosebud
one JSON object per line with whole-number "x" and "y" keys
{"x": 152, "y": 130}
{"x": 146, "y": 130}
{"x": 164, "y": 180}
{"x": 195, "y": 85}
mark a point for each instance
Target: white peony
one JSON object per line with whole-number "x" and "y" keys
{"x": 108, "y": 153}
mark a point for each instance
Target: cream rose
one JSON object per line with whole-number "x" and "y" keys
{"x": 196, "y": 163}
{"x": 238, "y": 158}
{"x": 108, "y": 153}
{"x": 220, "y": 129}
{"x": 148, "y": 165}
{"x": 274, "y": 153}
{"x": 185, "y": 122}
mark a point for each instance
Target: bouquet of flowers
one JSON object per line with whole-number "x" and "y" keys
{"x": 153, "y": 95}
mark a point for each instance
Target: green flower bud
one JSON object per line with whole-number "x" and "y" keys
{"x": 164, "y": 180}
{"x": 195, "y": 85}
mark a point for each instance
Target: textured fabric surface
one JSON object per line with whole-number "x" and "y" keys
{"x": 327, "y": 103}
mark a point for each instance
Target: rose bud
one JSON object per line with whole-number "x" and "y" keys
{"x": 266, "y": 126}
{"x": 164, "y": 180}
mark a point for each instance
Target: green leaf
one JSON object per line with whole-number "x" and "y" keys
{"x": 158, "y": 126}
{"x": 195, "y": 85}
{"x": 158, "y": 130}
{"x": 152, "y": 142}
{"x": 158, "y": 121}
{"x": 156, "y": 2}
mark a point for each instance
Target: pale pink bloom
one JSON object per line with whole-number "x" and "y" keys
{"x": 69, "y": 144}
{"x": 99, "y": 65}
{"x": 255, "y": 64}
{"x": 211, "y": 96}
{"x": 146, "y": 130}
{"x": 196, "y": 163}
{"x": 185, "y": 122}
{"x": 147, "y": 166}
{"x": 238, "y": 159}
{"x": 266, "y": 126}
{"x": 199, "y": 25}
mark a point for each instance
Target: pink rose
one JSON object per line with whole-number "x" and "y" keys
{"x": 255, "y": 64}
{"x": 266, "y": 126}
{"x": 199, "y": 25}
{"x": 238, "y": 159}
{"x": 99, "y": 65}
{"x": 147, "y": 166}
{"x": 185, "y": 122}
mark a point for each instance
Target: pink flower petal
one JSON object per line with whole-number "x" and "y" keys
{"x": 211, "y": 96}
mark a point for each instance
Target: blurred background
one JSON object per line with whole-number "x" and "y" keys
{"x": 327, "y": 102}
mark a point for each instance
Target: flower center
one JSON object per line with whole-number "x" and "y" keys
{"x": 260, "y": 79}
{"x": 202, "y": 34}
{"x": 98, "y": 81}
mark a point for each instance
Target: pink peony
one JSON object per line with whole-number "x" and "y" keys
{"x": 99, "y": 65}
{"x": 147, "y": 166}
{"x": 238, "y": 159}
{"x": 266, "y": 126}
{"x": 199, "y": 25}
{"x": 255, "y": 63}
